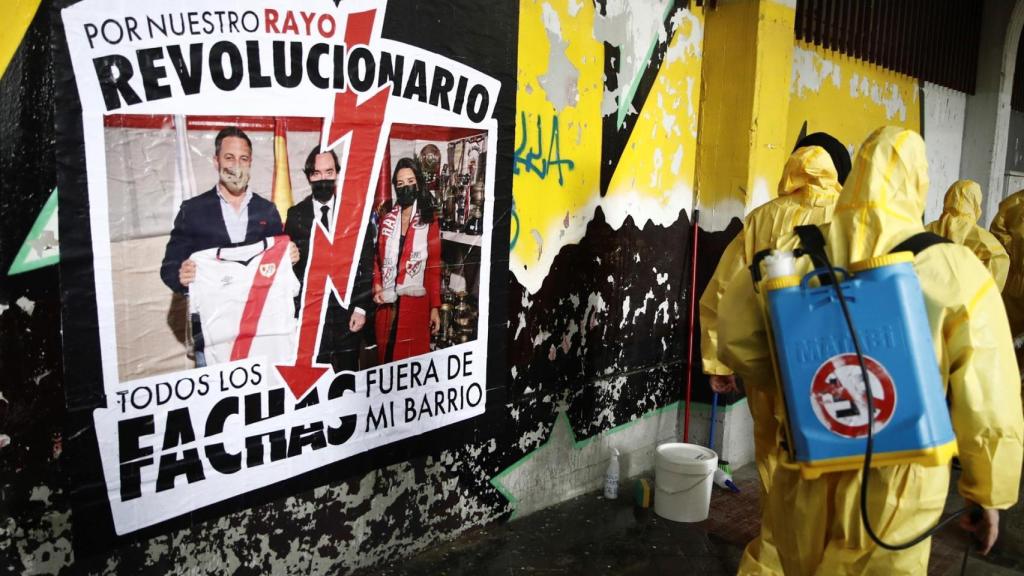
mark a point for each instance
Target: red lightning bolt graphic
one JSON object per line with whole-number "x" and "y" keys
{"x": 336, "y": 258}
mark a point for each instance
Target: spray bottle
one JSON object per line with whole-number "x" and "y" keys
{"x": 611, "y": 477}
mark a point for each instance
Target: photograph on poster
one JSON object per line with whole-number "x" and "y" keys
{"x": 210, "y": 220}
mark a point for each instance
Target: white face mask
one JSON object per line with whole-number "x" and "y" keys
{"x": 235, "y": 179}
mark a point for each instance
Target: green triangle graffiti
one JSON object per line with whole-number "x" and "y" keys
{"x": 41, "y": 247}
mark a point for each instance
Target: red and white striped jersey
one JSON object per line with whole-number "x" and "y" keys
{"x": 244, "y": 296}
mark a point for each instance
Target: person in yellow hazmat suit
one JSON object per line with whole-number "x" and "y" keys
{"x": 1008, "y": 227}
{"x": 816, "y": 524}
{"x": 807, "y": 193}
{"x": 800, "y": 201}
{"x": 959, "y": 223}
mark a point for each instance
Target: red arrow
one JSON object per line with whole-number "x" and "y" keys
{"x": 334, "y": 259}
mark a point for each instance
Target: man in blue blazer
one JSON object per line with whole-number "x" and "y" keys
{"x": 227, "y": 214}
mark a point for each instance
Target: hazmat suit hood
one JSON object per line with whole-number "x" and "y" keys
{"x": 836, "y": 150}
{"x": 810, "y": 172}
{"x": 960, "y": 213}
{"x": 807, "y": 191}
{"x": 883, "y": 200}
{"x": 961, "y": 210}
{"x": 1008, "y": 228}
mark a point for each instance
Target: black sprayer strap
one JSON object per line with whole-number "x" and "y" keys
{"x": 812, "y": 243}
{"x": 919, "y": 243}
{"x": 755, "y": 266}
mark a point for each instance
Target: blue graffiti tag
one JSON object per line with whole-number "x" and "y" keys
{"x": 514, "y": 226}
{"x": 554, "y": 155}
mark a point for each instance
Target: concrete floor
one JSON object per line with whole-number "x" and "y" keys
{"x": 592, "y": 536}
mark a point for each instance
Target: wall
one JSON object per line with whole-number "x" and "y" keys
{"x": 944, "y": 111}
{"x": 599, "y": 238}
{"x": 986, "y": 124}
{"x": 597, "y": 305}
{"x": 34, "y": 532}
{"x": 846, "y": 97}
{"x": 726, "y": 111}
{"x": 610, "y": 101}
{"x": 622, "y": 142}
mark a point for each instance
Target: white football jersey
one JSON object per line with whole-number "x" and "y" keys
{"x": 244, "y": 296}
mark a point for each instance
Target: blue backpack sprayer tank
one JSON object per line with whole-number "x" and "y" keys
{"x": 832, "y": 330}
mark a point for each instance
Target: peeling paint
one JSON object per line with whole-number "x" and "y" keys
{"x": 677, "y": 159}
{"x": 39, "y": 377}
{"x": 846, "y": 97}
{"x": 652, "y": 182}
{"x": 40, "y": 494}
{"x": 634, "y": 28}
{"x": 26, "y": 305}
{"x": 560, "y": 81}
{"x": 810, "y": 71}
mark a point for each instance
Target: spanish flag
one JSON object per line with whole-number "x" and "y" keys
{"x": 281, "y": 190}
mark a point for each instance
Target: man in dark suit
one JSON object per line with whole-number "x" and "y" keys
{"x": 227, "y": 214}
{"x": 339, "y": 342}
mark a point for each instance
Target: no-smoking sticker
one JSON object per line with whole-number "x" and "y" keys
{"x": 838, "y": 399}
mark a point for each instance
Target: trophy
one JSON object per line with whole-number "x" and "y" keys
{"x": 430, "y": 161}
{"x": 474, "y": 224}
{"x": 465, "y": 315}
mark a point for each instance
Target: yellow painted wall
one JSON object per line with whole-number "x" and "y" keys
{"x": 726, "y": 110}
{"x": 654, "y": 178}
{"x": 547, "y": 207}
{"x": 748, "y": 52}
{"x": 655, "y": 175}
{"x": 768, "y": 150}
{"x": 846, "y": 97}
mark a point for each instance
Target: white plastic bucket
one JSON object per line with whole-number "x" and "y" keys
{"x": 683, "y": 475}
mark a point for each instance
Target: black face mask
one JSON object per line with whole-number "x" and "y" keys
{"x": 406, "y": 195}
{"x": 323, "y": 190}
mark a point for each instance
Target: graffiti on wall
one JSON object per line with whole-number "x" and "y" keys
{"x": 598, "y": 253}
{"x": 608, "y": 100}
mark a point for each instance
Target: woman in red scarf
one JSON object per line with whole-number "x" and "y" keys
{"x": 407, "y": 269}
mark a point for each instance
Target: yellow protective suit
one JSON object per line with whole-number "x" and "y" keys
{"x": 807, "y": 194}
{"x": 959, "y": 223}
{"x": 815, "y": 524}
{"x": 1008, "y": 228}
